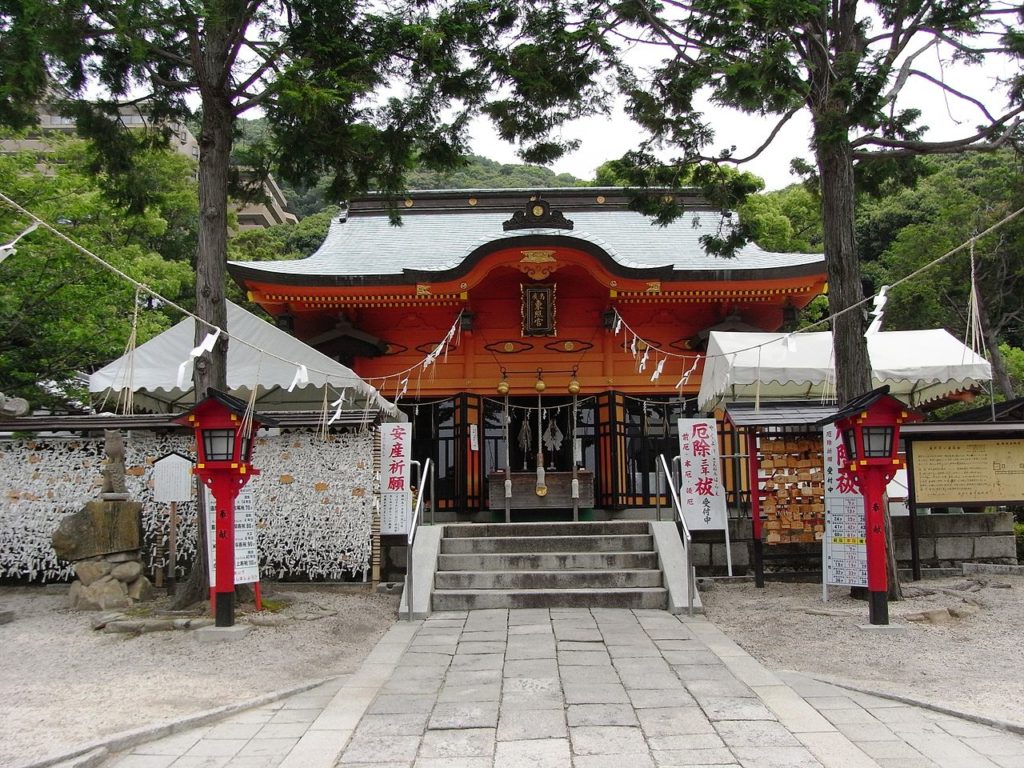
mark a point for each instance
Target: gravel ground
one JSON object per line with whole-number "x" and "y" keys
{"x": 64, "y": 683}
{"x": 971, "y": 663}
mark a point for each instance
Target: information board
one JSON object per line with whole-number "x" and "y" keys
{"x": 844, "y": 545}
{"x": 247, "y": 555}
{"x": 954, "y": 472}
{"x": 172, "y": 478}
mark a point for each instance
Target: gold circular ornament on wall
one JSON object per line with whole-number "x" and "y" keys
{"x": 472, "y": 201}
{"x": 408, "y": 203}
{"x": 538, "y": 210}
{"x": 509, "y": 346}
{"x": 542, "y": 490}
{"x": 600, "y": 198}
{"x": 568, "y": 346}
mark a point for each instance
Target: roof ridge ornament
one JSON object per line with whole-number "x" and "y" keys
{"x": 537, "y": 215}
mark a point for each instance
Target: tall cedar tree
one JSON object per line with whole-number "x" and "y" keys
{"x": 358, "y": 89}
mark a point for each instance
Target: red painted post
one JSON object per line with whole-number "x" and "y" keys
{"x": 224, "y": 489}
{"x": 873, "y": 481}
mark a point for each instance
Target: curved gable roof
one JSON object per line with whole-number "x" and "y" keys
{"x": 446, "y": 239}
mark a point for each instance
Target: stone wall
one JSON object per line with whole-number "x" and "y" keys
{"x": 944, "y": 541}
{"x": 948, "y": 540}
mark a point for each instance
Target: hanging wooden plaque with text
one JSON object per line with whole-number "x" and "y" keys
{"x": 538, "y": 310}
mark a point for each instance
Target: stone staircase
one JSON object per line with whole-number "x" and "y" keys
{"x": 548, "y": 565}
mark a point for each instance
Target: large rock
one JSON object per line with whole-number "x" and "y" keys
{"x": 140, "y": 589}
{"x": 99, "y": 528}
{"x": 128, "y": 571}
{"x": 89, "y": 571}
{"x": 103, "y": 595}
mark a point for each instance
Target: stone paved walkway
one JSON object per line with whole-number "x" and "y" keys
{"x": 602, "y": 688}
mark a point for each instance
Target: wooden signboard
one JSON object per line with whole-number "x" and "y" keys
{"x": 955, "y": 472}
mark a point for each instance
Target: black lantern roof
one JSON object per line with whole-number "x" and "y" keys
{"x": 234, "y": 404}
{"x": 858, "y": 404}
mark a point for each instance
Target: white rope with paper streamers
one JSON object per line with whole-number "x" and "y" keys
{"x": 658, "y": 369}
{"x": 439, "y": 351}
{"x": 8, "y": 249}
{"x": 301, "y": 378}
{"x": 878, "y": 310}
{"x": 205, "y": 346}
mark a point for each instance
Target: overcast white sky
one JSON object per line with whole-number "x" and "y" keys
{"x": 607, "y": 138}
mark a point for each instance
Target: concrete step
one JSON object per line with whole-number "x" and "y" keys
{"x": 597, "y": 528}
{"x": 474, "y": 599}
{"x": 481, "y": 544}
{"x": 549, "y": 561}
{"x": 518, "y": 580}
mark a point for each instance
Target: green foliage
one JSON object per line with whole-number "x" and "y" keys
{"x": 480, "y": 173}
{"x": 283, "y": 241}
{"x": 61, "y": 313}
{"x": 1014, "y": 357}
{"x": 785, "y": 221}
{"x": 908, "y": 229}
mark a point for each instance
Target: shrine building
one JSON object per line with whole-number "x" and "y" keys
{"x": 519, "y": 328}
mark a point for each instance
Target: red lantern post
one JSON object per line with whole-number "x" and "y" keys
{"x": 870, "y": 428}
{"x": 224, "y": 442}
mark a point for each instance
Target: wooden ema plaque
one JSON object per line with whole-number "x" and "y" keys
{"x": 791, "y": 480}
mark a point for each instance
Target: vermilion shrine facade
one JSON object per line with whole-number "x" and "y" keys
{"x": 536, "y": 290}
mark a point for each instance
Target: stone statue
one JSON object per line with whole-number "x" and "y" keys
{"x": 114, "y": 488}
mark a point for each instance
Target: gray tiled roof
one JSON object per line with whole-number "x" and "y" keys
{"x": 782, "y": 413}
{"x": 370, "y": 245}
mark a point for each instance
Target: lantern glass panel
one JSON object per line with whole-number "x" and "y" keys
{"x": 850, "y": 442}
{"x": 878, "y": 442}
{"x": 219, "y": 444}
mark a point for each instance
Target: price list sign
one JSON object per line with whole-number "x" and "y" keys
{"x": 845, "y": 543}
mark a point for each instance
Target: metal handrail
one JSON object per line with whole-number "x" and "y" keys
{"x": 691, "y": 582}
{"x": 410, "y": 539}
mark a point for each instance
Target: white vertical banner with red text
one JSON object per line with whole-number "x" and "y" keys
{"x": 395, "y": 488}
{"x": 703, "y": 495}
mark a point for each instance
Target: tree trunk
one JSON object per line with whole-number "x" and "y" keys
{"x": 211, "y": 257}
{"x": 215, "y": 138}
{"x": 850, "y": 349}
{"x": 834, "y": 50}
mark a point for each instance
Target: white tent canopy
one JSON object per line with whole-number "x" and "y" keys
{"x": 259, "y": 355}
{"x": 918, "y": 366}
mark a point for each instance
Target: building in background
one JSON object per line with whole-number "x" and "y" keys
{"x": 271, "y": 210}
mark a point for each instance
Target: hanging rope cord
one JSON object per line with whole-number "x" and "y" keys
{"x": 142, "y": 287}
